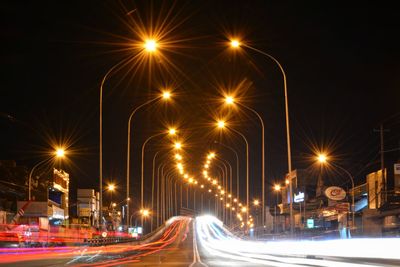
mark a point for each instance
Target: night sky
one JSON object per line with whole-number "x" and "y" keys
{"x": 342, "y": 64}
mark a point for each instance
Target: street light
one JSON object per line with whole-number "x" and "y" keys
{"x": 230, "y": 101}
{"x": 235, "y": 44}
{"x": 59, "y": 153}
{"x": 178, "y": 145}
{"x": 221, "y": 124}
{"x": 277, "y": 189}
{"x": 166, "y": 95}
{"x": 150, "y": 45}
{"x": 145, "y": 212}
{"x": 171, "y": 131}
{"x": 322, "y": 158}
{"x": 111, "y": 187}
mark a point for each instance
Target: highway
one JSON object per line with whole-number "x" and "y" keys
{"x": 206, "y": 242}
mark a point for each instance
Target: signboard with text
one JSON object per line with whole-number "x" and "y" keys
{"x": 335, "y": 193}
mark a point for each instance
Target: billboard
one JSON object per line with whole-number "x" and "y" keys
{"x": 335, "y": 193}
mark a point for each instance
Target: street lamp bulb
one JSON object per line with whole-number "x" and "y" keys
{"x": 145, "y": 212}
{"x": 229, "y": 100}
{"x": 150, "y": 45}
{"x": 111, "y": 187}
{"x": 277, "y": 187}
{"x": 287, "y": 181}
{"x": 166, "y": 95}
{"x": 235, "y": 43}
{"x": 221, "y": 124}
{"x": 178, "y": 145}
{"x": 256, "y": 202}
{"x": 60, "y": 153}
{"x": 322, "y": 158}
{"x": 172, "y": 131}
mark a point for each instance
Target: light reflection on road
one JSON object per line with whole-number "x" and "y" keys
{"x": 217, "y": 242}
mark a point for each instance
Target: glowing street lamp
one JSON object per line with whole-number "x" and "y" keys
{"x": 235, "y": 43}
{"x": 256, "y": 202}
{"x": 111, "y": 187}
{"x": 322, "y": 158}
{"x": 58, "y": 153}
{"x": 150, "y": 45}
{"x": 221, "y": 124}
{"x": 172, "y": 131}
{"x": 145, "y": 212}
{"x": 229, "y": 100}
{"x": 277, "y": 187}
{"x": 178, "y": 145}
{"x": 166, "y": 95}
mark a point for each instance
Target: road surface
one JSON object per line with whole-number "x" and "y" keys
{"x": 205, "y": 242}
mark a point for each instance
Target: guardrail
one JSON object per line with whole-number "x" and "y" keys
{"x": 102, "y": 241}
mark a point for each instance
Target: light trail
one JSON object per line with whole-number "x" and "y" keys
{"x": 100, "y": 256}
{"x": 219, "y": 242}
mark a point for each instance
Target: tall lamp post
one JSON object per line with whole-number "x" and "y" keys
{"x": 322, "y": 158}
{"x": 221, "y": 125}
{"x": 59, "y": 153}
{"x": 171, "y": 132}
{"x": 230, "y": 100}
{"x": 165, "y": 95}
{"x": 149, "y": 46}
{"x": 237, "y": 44}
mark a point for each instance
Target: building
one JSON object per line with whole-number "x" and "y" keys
{"x": 88, "y": 207}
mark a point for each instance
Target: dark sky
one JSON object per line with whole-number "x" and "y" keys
{"x": 341, "y": 61}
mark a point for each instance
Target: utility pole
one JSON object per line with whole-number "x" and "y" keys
{"x": 382, "y": 152}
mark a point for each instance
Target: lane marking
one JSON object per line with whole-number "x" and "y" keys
{"x": 196, "y": 254}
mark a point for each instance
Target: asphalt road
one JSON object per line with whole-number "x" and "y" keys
{"x": 177, "y": 246}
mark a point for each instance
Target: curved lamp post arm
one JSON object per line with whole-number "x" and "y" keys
{"x": 128, "y": 149}
{"x": 352, "y": 189}
{"x": 262, "y": 157}
{"x": 142, "y": 167}
{"x": 286, "y": 101}
{"x": 101, "y": 132}
{"x": 289, "y": 153}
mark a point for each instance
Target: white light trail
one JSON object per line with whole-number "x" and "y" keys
{"x": 218, "y": 241}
